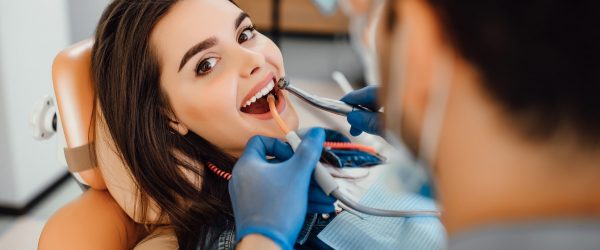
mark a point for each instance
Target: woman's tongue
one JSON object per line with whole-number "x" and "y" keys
{"x": 260, "y": 106}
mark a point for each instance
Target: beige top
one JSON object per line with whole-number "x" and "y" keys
{"x": 160, "y": 239}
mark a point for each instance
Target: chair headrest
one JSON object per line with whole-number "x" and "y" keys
{"x": 74, "y": 90}
{"x": 91, "y": 154}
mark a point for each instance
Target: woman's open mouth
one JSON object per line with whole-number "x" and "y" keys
{"x": 258, "y": 104}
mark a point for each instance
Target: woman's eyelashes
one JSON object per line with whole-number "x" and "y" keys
{"x": 246, "y": 34}
{"x": 205, "y": 66}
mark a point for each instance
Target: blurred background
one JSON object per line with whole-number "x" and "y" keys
{"x": 34, "y": 182}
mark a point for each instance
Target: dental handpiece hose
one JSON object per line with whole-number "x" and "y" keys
{"x": 330, "y": 186}
{"x": 326, "y": 104}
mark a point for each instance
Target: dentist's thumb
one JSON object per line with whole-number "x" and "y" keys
{"x": 308, "y": 152}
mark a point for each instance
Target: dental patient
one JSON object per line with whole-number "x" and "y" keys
{"x": 181, "y": 86}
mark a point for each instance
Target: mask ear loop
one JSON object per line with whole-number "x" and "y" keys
{"x": 436, "y": 109}
{"x": 434, "y": 117}
{"x": 416, "y": 175}
{"x": 393, "y": 101}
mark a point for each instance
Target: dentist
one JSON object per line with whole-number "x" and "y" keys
{"x": 498, "y": 98}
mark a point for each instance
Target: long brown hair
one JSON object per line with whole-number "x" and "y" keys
{"x": 126, "y": 73}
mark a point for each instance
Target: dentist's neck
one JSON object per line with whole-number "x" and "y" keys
{"x": 490, "y": 172}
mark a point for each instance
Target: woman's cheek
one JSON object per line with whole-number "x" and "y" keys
{"x": 272, "y": 53}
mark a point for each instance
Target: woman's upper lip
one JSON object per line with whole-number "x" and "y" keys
{"x": 258, "y": 86}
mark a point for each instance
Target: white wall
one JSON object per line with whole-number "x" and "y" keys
{"x": 31, "y": 33}
{"x": 84, "y": 16}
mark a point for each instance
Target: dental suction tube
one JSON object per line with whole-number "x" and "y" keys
{"x": 326, "y": 104}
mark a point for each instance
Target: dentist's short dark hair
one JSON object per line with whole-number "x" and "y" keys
{"x": 539, "y": 59}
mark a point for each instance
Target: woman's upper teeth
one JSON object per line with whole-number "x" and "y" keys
{"x": 263, "y": 92}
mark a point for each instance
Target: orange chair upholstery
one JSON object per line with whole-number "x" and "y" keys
{"x": 74, "y": 96}
{"x": 91, "y": 155}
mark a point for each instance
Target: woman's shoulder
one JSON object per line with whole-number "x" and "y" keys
{"x": 92, "y": 221}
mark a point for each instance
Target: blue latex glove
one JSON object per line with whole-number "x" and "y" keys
{"x": 362, "y": 121}
{"x": 318, "y": 201}
{"x": 271, "y": 198}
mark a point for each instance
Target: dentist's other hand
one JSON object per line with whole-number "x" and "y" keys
{"x": 362, "y": 121}
{"x": 271, "y": 198}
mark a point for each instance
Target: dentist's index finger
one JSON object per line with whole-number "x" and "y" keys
{"x": 366, "y": 96}
{"x": 255, "y": 148}
{"x": 261, "y": 146}
{"x": 309, "y": 151}
{"x": 364, "y": 121}
{"x": 280, "y": 150}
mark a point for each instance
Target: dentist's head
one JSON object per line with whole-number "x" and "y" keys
{"x": 501, "y": 99}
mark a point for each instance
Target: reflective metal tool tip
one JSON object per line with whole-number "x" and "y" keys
{"x": 283, "y": 83}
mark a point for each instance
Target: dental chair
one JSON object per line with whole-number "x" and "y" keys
{"x": 106, "y": 216}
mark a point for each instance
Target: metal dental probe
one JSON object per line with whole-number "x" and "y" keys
{"x": 326, "y": 104}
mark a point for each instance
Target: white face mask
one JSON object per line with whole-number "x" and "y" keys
{"x": 434, "y": 116}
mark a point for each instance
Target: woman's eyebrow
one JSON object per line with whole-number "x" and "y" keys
{"x": 206, "y": 44}
{"x": 240, "y": 19}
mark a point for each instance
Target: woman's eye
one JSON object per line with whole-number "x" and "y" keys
{"x": 246, "y": 35}
{"x": 206, "y": 66}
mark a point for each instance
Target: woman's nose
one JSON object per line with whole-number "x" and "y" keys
{"x": 252, "y": 62}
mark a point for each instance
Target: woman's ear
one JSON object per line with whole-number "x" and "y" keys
{"x": 179, "y": 127}
{"x": 175, "y": 124}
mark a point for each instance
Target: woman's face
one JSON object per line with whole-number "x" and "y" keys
{"x": 213, "y": 64}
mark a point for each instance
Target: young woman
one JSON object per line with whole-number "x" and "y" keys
{"x": 180, "y": 86}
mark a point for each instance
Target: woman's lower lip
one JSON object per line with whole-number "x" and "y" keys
{"x": 281, "y": 105}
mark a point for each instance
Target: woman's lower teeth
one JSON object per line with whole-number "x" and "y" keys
{"x": 260, "y": 106}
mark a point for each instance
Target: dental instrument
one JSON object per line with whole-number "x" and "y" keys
{"x": 326, "y": 104}
{"x": 330, "y": 186}
{"x": 342, "y": 82}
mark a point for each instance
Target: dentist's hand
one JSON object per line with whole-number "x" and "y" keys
{"x": 362, "y": 121}
{"x": 271, "y": 198}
